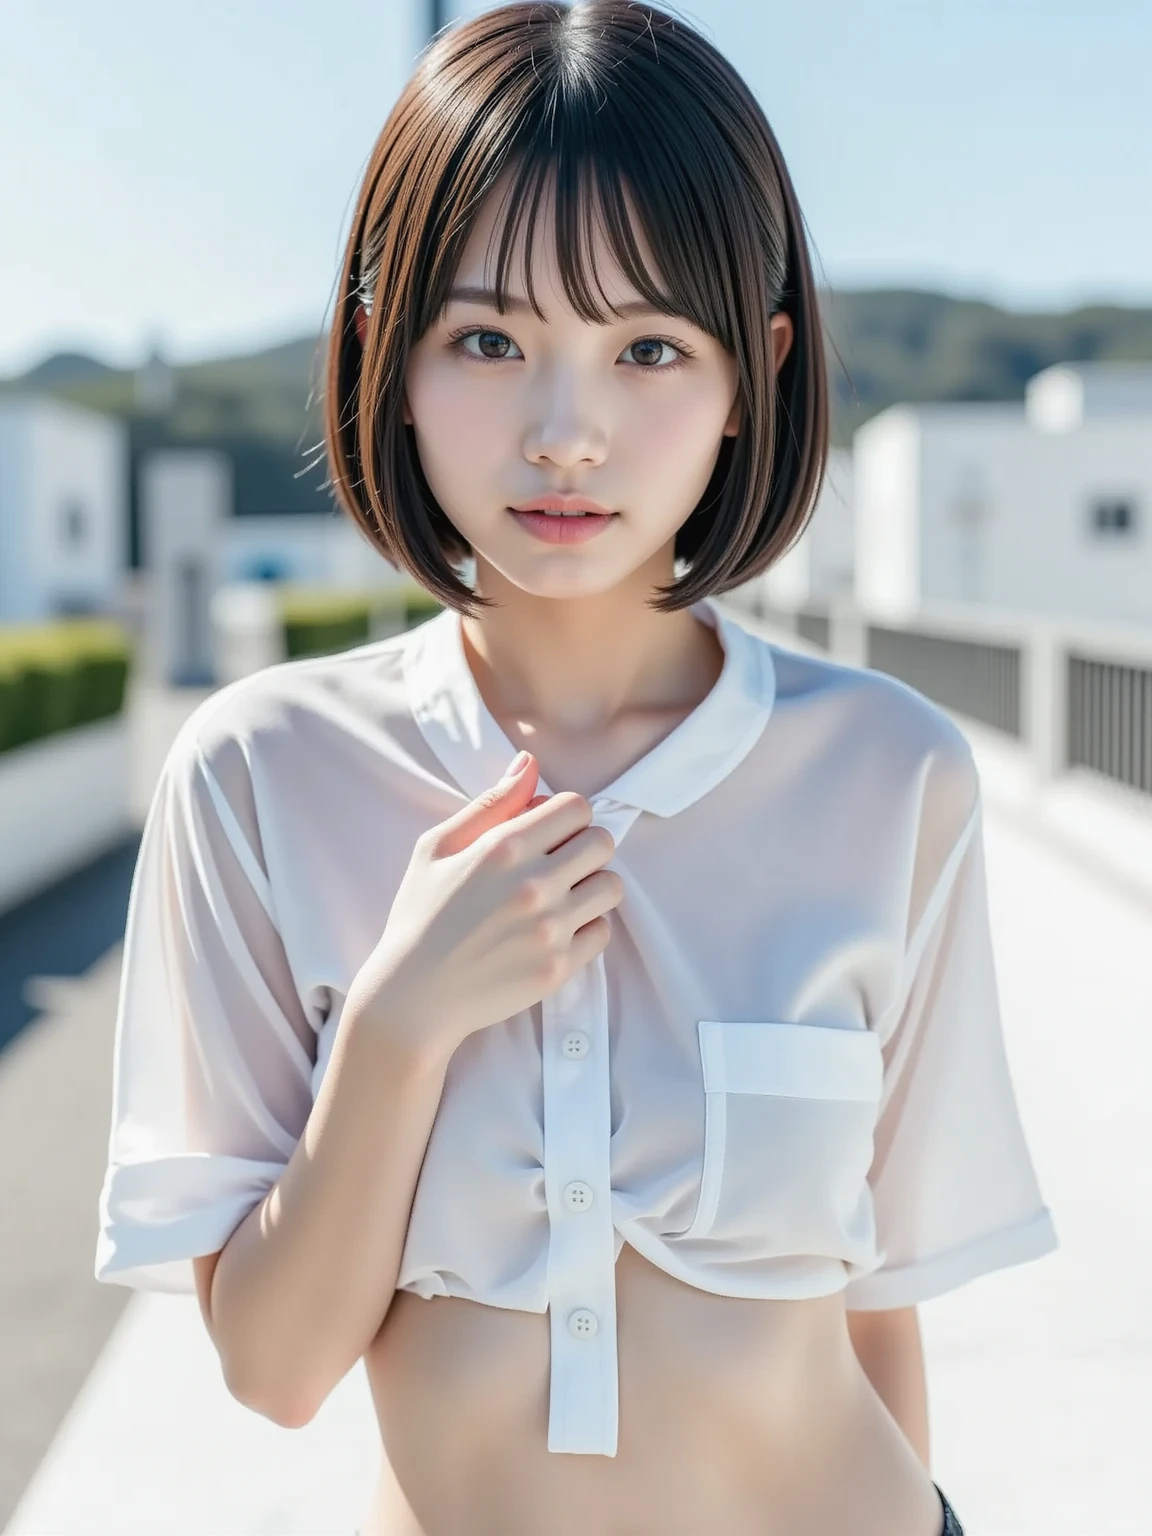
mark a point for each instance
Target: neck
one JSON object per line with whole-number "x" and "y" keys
{"x": 583, "y": 664}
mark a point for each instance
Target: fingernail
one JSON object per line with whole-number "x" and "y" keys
{"x": 514, "y": 767}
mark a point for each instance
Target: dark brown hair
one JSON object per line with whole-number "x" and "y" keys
{"x": 592, "y": 100}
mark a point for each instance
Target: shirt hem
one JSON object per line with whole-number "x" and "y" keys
{"x": 913, "y": 1283}
{"x": 721, "y": 1279}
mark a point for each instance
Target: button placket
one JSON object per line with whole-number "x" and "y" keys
{"x": 583, "y": 1409}
{"x": 581, "y": 1242}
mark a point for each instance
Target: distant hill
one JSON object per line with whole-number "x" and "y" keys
{"x": 261, "y": 394}
{"x": 895, "y": 345}
{"x": 64, "y": 369}
{"x": 904, "y": 344}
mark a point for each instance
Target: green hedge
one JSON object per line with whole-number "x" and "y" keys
{"x": 318, "y": 621}
{"x": 58, "y": 675}
{"x": 64, "y": 673}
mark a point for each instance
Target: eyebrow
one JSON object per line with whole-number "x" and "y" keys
{"x": 514, "y": 305}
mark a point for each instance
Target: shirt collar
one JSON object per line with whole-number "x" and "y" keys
{"x": 691, "y": 760}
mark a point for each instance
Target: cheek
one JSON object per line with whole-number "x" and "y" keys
{"x": 680, "y": 434}
{"x": 459, "y": 427}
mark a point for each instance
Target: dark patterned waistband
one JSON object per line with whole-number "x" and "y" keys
{"x": 952, "y": 1526}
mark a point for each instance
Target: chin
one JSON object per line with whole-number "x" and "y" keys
{"x": 554, "y": 581}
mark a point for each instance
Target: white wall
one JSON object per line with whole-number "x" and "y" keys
{"x": 63, "y": 508}
{"x": 15, "y": 517}
{"x": 1035, "y": 548}
{"x": 1065, "y": 396}
{"x": 64, "y": 800}
{"x": 974, "y": 504}
{"x": 886, "y": 485}
{"x": 821, "y": 563}
{"x": 980, "y": 472}
{"x": 185, "y": 505}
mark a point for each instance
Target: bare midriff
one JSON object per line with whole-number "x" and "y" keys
{"x": 740, "y": 1417}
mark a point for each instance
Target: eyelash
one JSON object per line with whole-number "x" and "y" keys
{"x": 456, "y": 337}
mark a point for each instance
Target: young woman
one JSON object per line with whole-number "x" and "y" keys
{"x": 618, "y": 1110}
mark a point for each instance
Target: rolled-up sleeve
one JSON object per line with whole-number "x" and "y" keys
{"x": 213, "y": 1053}
{"x": 954, "y": 1189}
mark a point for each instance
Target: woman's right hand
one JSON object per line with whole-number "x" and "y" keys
{"x": 499, "y": 906}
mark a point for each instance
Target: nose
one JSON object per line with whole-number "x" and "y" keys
{"x": 565, "y": 425}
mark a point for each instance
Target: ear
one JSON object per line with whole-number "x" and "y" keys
{"x": 732, "y": 425}
{"x": 781, "y": 331}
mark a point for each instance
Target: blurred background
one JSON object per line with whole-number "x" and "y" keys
{"x": 176, "y": 186}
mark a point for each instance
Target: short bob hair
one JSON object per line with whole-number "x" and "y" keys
{"x": 590, "y": 100}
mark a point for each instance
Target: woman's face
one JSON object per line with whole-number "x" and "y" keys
{"x": 505, "y": 408}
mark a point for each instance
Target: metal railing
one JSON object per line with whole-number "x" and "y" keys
{"x": 1073, "y": 694}
{"x": 977, "y": 678}
{"x": 1110, "y": 718}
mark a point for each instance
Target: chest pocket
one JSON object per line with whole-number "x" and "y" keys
{"x": 789, "y": 1116}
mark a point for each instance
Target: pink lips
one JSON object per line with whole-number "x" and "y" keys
{"x": 562, "y": 530}
{"x": 555, "y": 502}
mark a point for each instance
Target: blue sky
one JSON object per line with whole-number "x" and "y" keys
{"x": 187, "y": 172}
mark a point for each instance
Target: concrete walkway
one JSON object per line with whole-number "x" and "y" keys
{"x": 1040, "y": 1377}
{"x": 60, "y": 958}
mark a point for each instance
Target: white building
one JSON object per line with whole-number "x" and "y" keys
{"x": 68, "y": 485}
{"x": 1041, "y": 506}
{"x": 820, "y": 564}
{"x": 64, "y": 474}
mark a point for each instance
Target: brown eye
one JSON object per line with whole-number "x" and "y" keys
{"x": 645, "y": 354}
{"x": 493, "y": 345}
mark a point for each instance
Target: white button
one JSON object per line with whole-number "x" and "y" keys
{"x": 582, "y": 1323}
{"x": 574, "y": 1045}
{"x": 578, "y": 1196}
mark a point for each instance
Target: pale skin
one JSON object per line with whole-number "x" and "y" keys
{"x": 890, "y": 1349}
{"x": 762, "y": 1398}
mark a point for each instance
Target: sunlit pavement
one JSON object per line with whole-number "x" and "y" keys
{"x": 1040, "y": 1377}
{"x": 155, "y": 1445}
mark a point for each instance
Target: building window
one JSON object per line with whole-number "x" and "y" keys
{"x": 1113, "y": 515}
{"x": 73, "y": 524}
{"x": 75, "y": 607}
{"x": 265, "y": 568}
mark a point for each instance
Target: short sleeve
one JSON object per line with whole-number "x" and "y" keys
{"x": 213, "y": 1053}
{"x": 954, "y": 1190}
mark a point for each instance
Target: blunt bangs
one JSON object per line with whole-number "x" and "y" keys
{"x": 602, "y": 111}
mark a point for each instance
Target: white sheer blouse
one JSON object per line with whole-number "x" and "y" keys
{"x": 784, "y": 1077}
